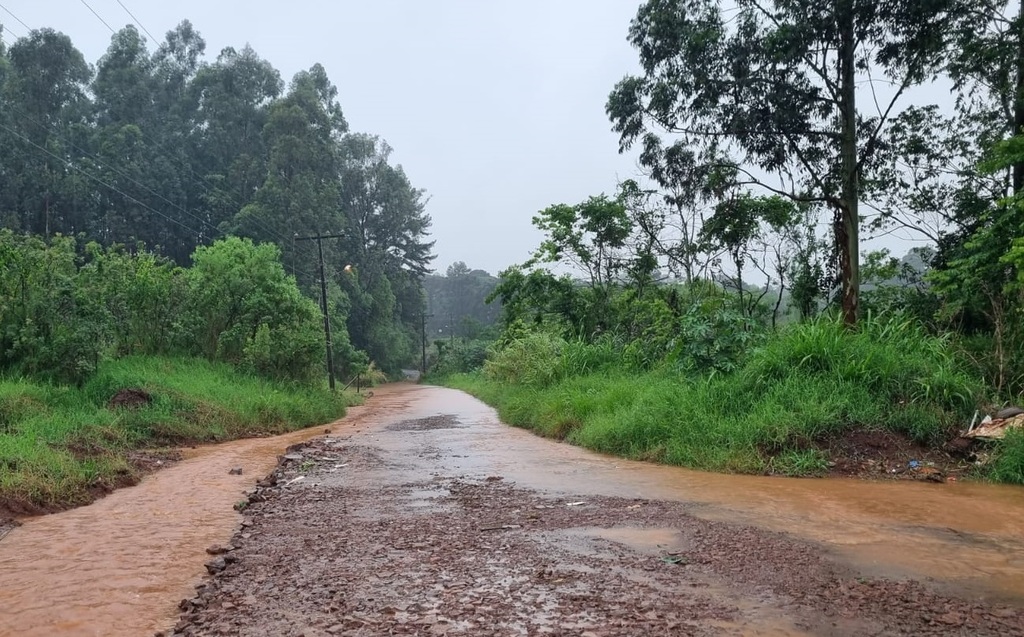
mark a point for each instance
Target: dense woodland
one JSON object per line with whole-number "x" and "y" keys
{"x": 163, "y": 150}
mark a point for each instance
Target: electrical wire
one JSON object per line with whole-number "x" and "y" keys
{"x": 70, "y": 165}
{"x": 144, "y": 29}
{"x": 20, "y": 21}
{"x": 97, "y": 15}
{"x": 198, "y": 180}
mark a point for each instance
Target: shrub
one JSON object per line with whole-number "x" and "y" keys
{"x": 531, "y": 360}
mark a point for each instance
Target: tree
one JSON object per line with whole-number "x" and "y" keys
{"x": 46, "y": 105}
{"x": 765, "y": 93}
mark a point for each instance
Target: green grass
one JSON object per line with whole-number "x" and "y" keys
{"x": 805, "y": 384}
{"x": 57, "y": 444}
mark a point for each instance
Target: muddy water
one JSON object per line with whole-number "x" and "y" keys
{"x": 119, "y": 566}
{"x": 968, "y": 536}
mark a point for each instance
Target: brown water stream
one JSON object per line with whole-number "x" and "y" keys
{"x": 120, "y": 565}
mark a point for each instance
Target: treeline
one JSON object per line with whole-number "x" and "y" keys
{"x": 163, "y": 148}
{"x": 762, "y": 172}
{"x": 457, "y": 303}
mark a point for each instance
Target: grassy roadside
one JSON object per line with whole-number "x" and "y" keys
{"x": 778, "y": 413}
{"x": 60, "y": 446}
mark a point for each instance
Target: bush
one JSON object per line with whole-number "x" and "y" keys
{"x": 460, "y": 357}
{"x": 531, "y": 360}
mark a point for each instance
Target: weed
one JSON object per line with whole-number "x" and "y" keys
{"x": 57, "y": 442}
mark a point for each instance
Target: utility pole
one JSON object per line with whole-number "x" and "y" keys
{"x": 423, "y": 337}
{"x": 323, "y": 300}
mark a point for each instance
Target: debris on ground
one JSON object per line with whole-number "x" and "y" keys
{"x": 995, "y": 428}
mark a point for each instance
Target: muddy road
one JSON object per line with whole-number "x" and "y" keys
{"x": 438, "y": 520}
{"x": 420, "y": 514}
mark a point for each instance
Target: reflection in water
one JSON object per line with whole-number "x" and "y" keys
{"x": 119, "y": 566}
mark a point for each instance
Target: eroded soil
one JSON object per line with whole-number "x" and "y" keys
{"x": 347, "y": 537}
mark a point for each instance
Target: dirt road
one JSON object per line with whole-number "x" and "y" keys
{"x": 437, "y": 520}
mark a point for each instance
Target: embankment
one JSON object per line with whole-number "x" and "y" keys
{"x": 65, "y": 446}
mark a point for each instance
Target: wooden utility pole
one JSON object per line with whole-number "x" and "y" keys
{"x": 323, "y": 300}
{"x": 423, "y": 338}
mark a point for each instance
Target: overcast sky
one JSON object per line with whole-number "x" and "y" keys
{"x": 495, "y": 107}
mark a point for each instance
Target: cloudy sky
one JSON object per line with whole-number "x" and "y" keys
{"x": 495, "y": 107}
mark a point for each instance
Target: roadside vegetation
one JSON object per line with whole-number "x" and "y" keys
{"x": 157, "y": 216}
{"x": 723, "y": 311}
{"x": 106, "y": 352}
{"x": 62, "y": 445}
{"x": 774, "y": 412}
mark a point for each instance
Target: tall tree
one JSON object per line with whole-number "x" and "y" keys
{"x": 47, "y": 107}
{"x": 764, "y": 93}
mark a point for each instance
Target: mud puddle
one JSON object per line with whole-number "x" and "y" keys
{"x": 119, "y": 565}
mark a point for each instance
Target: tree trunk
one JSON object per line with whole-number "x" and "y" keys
{"x": 848, "y": 226}
{"x": 1018, "y": 96}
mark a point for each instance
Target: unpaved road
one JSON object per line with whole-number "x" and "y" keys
{"x": 437, "y": 520}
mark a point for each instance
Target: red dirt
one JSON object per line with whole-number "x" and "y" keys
{"x": 334, "y": 544}
{"x": 887, "y": 455}
{"x": 130, "y": 399}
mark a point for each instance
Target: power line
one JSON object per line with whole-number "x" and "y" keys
{"x": 101, "y": 163}
{"x": 68, "y": 164}
{"x": 98, "y": 16}
{"x": 216, "y": 230}
{"x": 20, "y": 21}
{"x": 198, "y": 179}
{"x": 272, "y": 234}
{"x": 144, "y": 29}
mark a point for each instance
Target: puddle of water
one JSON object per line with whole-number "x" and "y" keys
{"x": 642, "y": 540}
{"x": 120, "y": 565}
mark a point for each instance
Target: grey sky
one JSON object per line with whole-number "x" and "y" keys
{"x": 496, "y": 108}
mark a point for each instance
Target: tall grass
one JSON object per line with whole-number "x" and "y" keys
{"x": 59, "y": 443}
{"x": 806, "y": 383}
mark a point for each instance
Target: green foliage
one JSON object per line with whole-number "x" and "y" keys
{"x": 247, "y": 311}
{"x": 50, "y": 325}
{"x": 1008, "y": 464}
{"x": 63, "y": 311}
{"x": 57, "y": 443}
{"x": 164, "y": 151}
{"x": 459, "y": 357}
{"x": 530, "y": 360}
{"x": 893, "y": 359}
{"x": 802, "y": 385}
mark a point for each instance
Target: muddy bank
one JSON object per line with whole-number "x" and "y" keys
{"x": 330, "y": 545}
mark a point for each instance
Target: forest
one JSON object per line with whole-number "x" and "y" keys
{"x": 732, "y": 309}
{"x": 156, "y": 214}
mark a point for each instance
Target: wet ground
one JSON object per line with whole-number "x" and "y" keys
{"x": 421, "y": 514}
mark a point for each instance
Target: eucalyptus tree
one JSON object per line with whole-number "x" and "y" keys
{"x": 232, "y": 99}
{"x": 764, "y": 93}
{"x": 46, "y": 109}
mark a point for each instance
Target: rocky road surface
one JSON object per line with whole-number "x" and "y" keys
{"x": 390, "y": 530}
